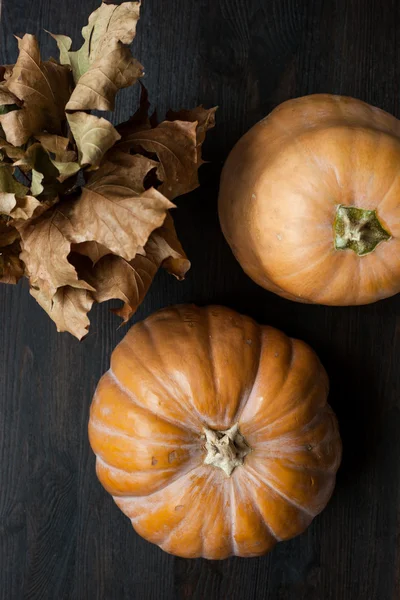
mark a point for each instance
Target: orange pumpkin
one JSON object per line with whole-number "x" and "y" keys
{"x": 213, "y": 434}
{"x": 310, "y": 201}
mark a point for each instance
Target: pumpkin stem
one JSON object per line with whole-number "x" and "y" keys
{"x": 225, "y": 449}
{"x": 358, "y": 229}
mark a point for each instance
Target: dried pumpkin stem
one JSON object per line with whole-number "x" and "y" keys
{"x": 225, "y": 449}
{"x": 358, "y": 229}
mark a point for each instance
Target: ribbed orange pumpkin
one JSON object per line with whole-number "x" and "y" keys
{"x": 310, "y": 201}
{"x": 213, "y": 434}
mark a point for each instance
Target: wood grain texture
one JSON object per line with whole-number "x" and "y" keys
{"x": 61, "y": 536}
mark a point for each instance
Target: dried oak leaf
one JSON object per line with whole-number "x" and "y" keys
{"x": 11, "y": 268}
{"x": 175, "y": 143}
{"x": 44, "y": 88}
{"x": 108, "y": 24}
{"x": 68, "y": 308}
{"x": 93, "y": 136}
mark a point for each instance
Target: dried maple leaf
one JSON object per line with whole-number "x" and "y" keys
{"x": 5, "y": 72}
{"x": 8, "y": 234}
{"x": 163, "y": 245}
{"x": 37, "y": 160}
{"x": 92, "y": 250}
{"x": 11, "y": 268}
{"x": 44, "y": 88}
{"x": 93, "y": 136}
{"x": 205, "y": 119}
{"x": 64, "y": 159}
{"x": 140, "y": 119}
{"x": 57, "y": 145}
{"x": 68, "y": 309}
{"x": 114, "y": 208}
{"x": 112, "y": 277}
{"x": 12, "y": 152}
{"x": 97, "y": 88}
{"x": 7, "y": 98}
{"x": 8, "y": 184}
{"x": 19, "y": 209}
{"x": 108, "y": 24}
{"x": 115, "y": 278}
{"x": 107, "y": 239}
{"x": 46, "y": 244}
{"x": 175, "y": 143}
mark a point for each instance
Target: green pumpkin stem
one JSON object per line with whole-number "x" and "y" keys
{"x": 358, "y": 229}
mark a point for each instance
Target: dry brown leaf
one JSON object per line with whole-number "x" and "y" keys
{"x": 174, "y": 144}
{"x": 11, "y": 268}
{"x": 66, "y": 169}
{"x": 93, "y": 136}
{"x": 97, "y": 88}
{"x": 57, "y": 145}
{"x": 5, "y": 72}
{"x": 44, "y": 88}
{"x": 46, "y": 244}
{"x": 177, "y": 145}
{"x": 115, "y": 278}
{"x": 140, "y": 119}
{"x": 8, "y": 183}
{"x": 165, "y": 249}
{"x": 12, "y": 152}
{"x": 64, "y": 159}
{"x": 7, "y": 97}
{"x": 68, "y": 308}
{"x": 205, "y": 119}
{"x": 105, "y": 240}
{"x": 37, "y": 160}
{"x": 92, "y": 250}
{"x": 19, "y": 209}
{"x": 8, "y": 234}
{"x": 108, "y": 24}
{"x": 115, "y": 210}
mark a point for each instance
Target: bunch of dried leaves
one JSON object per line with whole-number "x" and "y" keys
{"x": 80, "y": 244}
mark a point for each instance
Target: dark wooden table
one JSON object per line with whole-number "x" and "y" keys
{"x": 61, "y": 536}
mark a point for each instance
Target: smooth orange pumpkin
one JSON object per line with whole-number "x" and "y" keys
{"x": 310, "y": 201}
{"x": 213, "y": 434}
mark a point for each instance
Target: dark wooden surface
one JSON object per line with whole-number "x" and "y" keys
{"x": 61, "y": 536}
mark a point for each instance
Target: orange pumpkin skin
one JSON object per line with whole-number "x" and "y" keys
{"x": 185, "y": 371}
{"x": 283, "y": 184}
